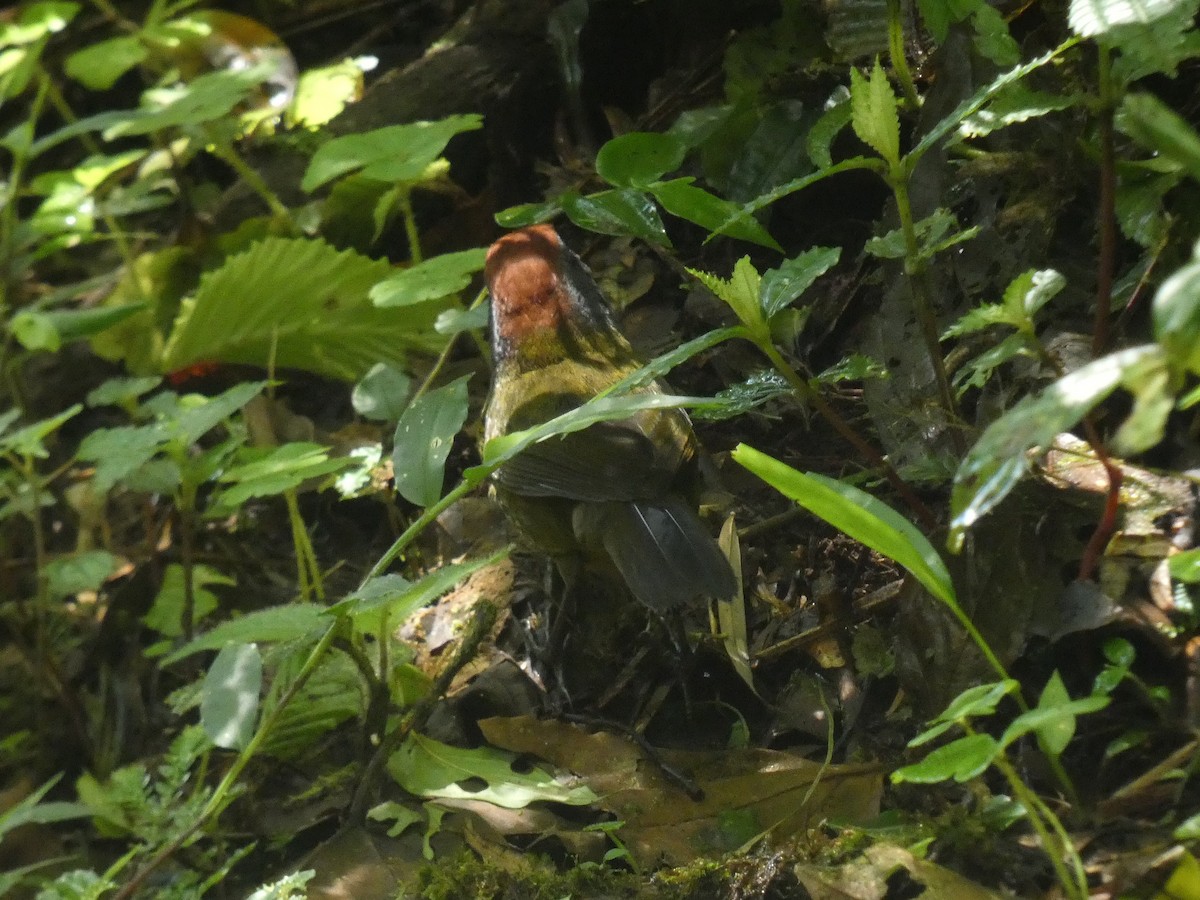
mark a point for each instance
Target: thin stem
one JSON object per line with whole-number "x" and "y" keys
{"x": 256, "y": 182}
{"x": 431, "y": 513}
{"x": 1106, "y": 220}
{"x": 914, "y": 268}
{"x": 896, "y": 52}
{"x": 410, "y": 226}
{"x": 830, "y": 415}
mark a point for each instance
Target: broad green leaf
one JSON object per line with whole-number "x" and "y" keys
{"x": 84, "y": 571}
{"x": 682, "y": 198}
{"x": 322, "y": 93}
{"x": 1157, "y": 127}
{"x": 98, "y": 66}
{"x": 857, "y": 514}
{"x": 30, "y": 441}
{"x": 1185, "y": 566}
{"x": 423, "y": 439}
{"x": 197, "y": 415}
{"x": 255, "y": 309}
{"x": 780, "y": 287}
{"x": 229, "y": 696}
{"x": 34, "y": 21}
{"x": 961, "y": 760}
{"x": 206, "y": 98}
{"x": 428, "y": 768}
{"x": 1054, "y": 735}
{"x": 382, "y": 393}
{"x": 394, "y": 153}
{"x": 1094, "y": 18}
{"x": 639, "y": 158}
{"x": 1176, "y": 313}
{"x": 34, "y": 331}
{"x": 122, "y": 391}
{"x": 431, "y": 280}
{"x": 873, "y": 113}
{"x": 271, "y": 625}
{"x": 999, "y": 458}
{"x": 623, "y": 211}
{"x": 118, "y": 452}
{"x": 453, "y": 321}
{"x": 527, "y": 214}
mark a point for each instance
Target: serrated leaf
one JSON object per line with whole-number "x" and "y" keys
{"x": 741, "y": 292}
{"x": 857, "y": 514}
{"x": 255, "y": 310}
{"x": 1157, "y": 127}
{"x": 873, "y": 113}
{"x": 393, "y": 153}
{"x": 1093, "y": 18}
{"x": 229, "y": 696}
{"x": 277, "y": 470}
{"x": 424, "y": 435}
{"x": 638, "y": 158}
{"x": 435, "y": 278}
{"x": 682, "y": 198}
{"x": 1013, "y": 105}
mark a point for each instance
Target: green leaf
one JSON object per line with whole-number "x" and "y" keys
{"x": 1185, "y": 566}
{"x": 84, "y": 571}
{"x": 322, "y": 93}
{"x": 1094, "y": 18}
{"x": 639, "y": 158}
{"x": 37, "y": 330}
{"x": 278, "y": 469}
{"x": 229, "y": 696}
{"x": 1016, "y": 103}
{"x": 29, "y": 442}
{"x": 857, "y": 514}
{"x": 821, "y": 136}
{"x": 431, "y": 280}
{"x": 1157, "y": 127}
{"x": 428, "y": 768}
{"x": 393, "y": 599}
{"x": 34, "y": 21}
{"x": 780, "y": 287}
{"x": 1176, "y": 313}
{"x": 255, "y": 310}
{"x": 204, "y": 99}
{"x": 741, "y": 292}
{"x": 601, "y": 409}
{"x": 98, "y": 66}
{"x": 382, "y": 393}
{"x": 961, "y": 760}
{"x": 423, "y": 439}
{"x": 122, "y": 391}
{"x": 34, "y": 331}
{"x": 623, "y": 211}
{"x": 873, "y": 113}
{"x": 999, "y": 458}
{"x": 527, "y": 214}
{"x": 272, "y": 625}
{"x": 395, "y": 153}
{"x": 682, "y": 198}
{"x": 1054, "y": 724}
{"x": 166, "y": 613}
{"x": 980, "y": 700}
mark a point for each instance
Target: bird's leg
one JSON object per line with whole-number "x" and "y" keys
{"x": 563, "y": 607}
{"x": 673, "y": 620}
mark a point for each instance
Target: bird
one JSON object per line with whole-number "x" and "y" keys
{"x": 618, "y": 494}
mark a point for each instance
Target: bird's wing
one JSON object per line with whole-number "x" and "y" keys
{"x": 606, "y": 461}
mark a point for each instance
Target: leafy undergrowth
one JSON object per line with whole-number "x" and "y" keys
{"x": 927, "y": 282}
